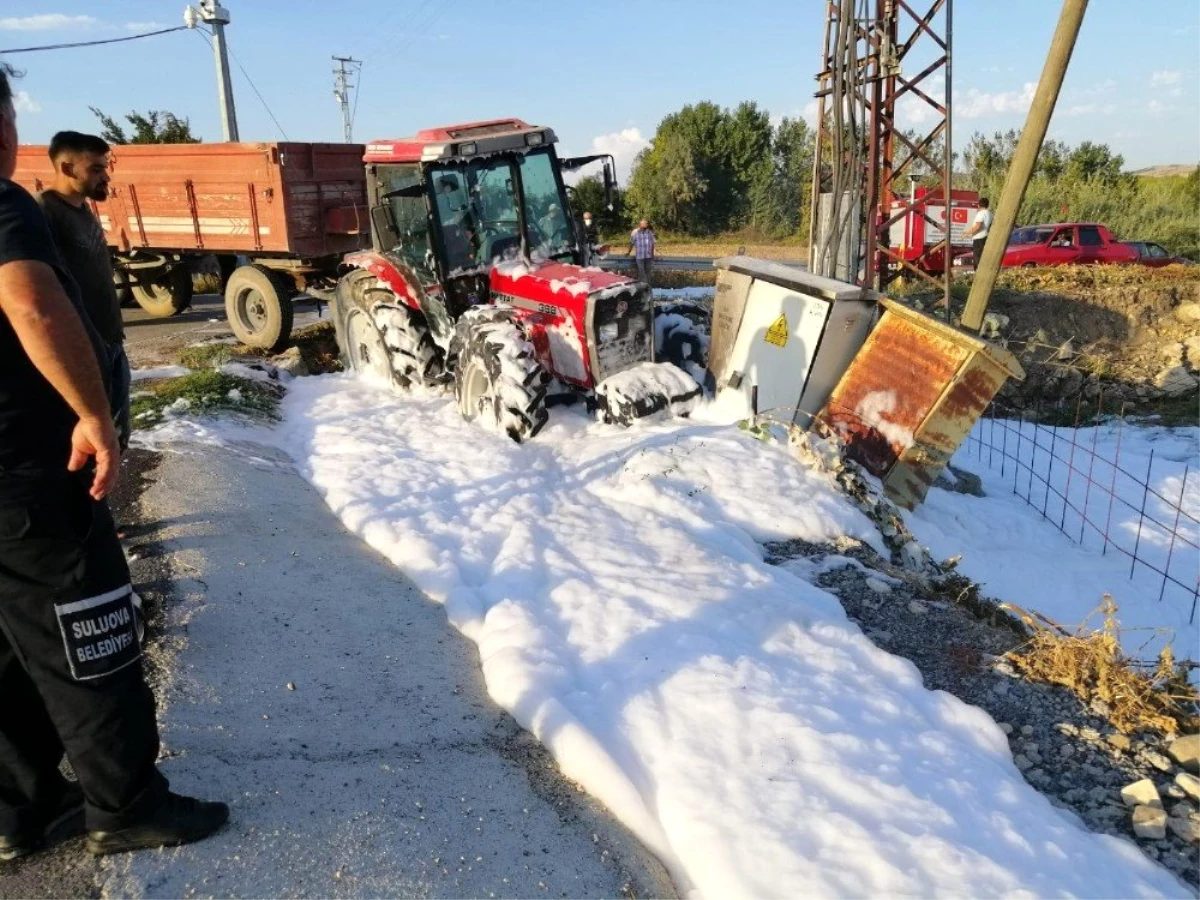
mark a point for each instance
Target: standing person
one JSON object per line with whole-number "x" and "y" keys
{"x": 81, "y": 174}
{"x": 979, "y": 229}
{"x": 590, "y": 233}
{"x": 70, "y": 658}
{"x": 642, "y": 243}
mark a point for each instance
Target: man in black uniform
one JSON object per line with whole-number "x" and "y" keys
{"x": 70, "y": 658}
{"x": 81, "y": 174}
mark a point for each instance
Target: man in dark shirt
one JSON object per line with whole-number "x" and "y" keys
{"x": 70, "y": 656}
{"x": 81, "y": 173}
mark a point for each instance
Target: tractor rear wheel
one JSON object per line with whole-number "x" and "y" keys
{"x": 168, "y": 294}
{"x": 497, "y": 379}
{"x": 412, "y": 356}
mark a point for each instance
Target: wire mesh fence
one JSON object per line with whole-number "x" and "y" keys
{"x": 1083, "y": 479}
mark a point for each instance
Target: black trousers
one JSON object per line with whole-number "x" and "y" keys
{"x": 977, "y": 250}
{"x": 70, "y": 666}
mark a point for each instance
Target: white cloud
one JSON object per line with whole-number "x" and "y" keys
{"x": 45, "y": 22}
{"x": 23, "y": 103}
{"x": 1087, "y": 109}
{"x": 810, "y": 112}
{"x": 975, "y": 103}
{"x": 144, "y": 26}
{"x": 1157, "y": 109}
{"x": 624, "y": 145}
{"x": 1165, "y": 77}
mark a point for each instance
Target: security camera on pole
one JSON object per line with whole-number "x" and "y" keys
{"x": 212, "y": 13}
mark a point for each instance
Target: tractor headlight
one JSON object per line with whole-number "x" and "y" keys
{"x": 535, "y": 139}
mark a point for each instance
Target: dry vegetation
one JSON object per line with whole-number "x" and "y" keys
{"x": 1091, "y": 665}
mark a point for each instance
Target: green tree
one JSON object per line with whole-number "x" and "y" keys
{"x": 153, "y": 127}
{"x": 1095, "y": 162}
{"x": 588, "y": 196}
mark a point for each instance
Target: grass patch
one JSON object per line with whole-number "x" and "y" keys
{"x": 206, "y": 393}
{"x": 210, "y": 356}
{"x": 317, "y": 344}
{"x": 1091, "y": 665}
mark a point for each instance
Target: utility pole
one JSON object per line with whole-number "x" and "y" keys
{"x": 1024, "y": 160}
{"x": 341, "y": 91}
{"x": 212, "y": 13}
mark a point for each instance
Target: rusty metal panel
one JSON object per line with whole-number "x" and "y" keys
{"x": 729, "y": 306}
{"x": 888, "y": 391}
{"x": 911, "y": 397}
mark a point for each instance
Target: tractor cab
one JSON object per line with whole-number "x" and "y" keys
{"x": 452, "y": 202}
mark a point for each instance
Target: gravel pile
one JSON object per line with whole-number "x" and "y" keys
{"x": 1066, "y": 750}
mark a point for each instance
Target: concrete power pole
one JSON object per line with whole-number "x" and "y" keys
{"x": 341, "y": 91}
{"x": 212, "y": 13}
{"x": 1024, "y": 161}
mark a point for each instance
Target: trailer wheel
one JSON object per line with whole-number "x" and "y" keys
{"x": 497, "y": 379}
{"x": 258, "y": 305}
{"x": 168, "y": 294}
{"x": 124, "y": 289}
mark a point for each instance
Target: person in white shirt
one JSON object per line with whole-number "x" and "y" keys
{"x": 979, "y": 229}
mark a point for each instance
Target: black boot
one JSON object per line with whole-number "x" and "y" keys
{"x": 179, "y": 820}
{"x": 60, "y": 821}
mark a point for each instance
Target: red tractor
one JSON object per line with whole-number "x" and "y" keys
{"x": 477, "y": 276}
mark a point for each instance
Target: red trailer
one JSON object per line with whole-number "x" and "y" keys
{"x": 277, "y": 216}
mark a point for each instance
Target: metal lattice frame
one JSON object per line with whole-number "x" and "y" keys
{"x": 862, "y": 78}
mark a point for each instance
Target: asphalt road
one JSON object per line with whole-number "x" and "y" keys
{"x": 150, "y": 341}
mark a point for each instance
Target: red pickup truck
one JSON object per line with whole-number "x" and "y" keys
{"x": 1068, "y": 243}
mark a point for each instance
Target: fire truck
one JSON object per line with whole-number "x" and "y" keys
{"x": 916, "y": 236}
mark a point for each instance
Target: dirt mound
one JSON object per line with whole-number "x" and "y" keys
{"x": 1124, "y": 335}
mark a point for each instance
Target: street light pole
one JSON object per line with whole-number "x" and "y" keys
{"x": 212, "y": 13}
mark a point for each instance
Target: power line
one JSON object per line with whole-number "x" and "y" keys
{"x": 203, "y": 34}
{"x": 132, "y": 37}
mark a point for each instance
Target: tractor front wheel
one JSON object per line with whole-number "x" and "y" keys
{"x": 497, "y": 379}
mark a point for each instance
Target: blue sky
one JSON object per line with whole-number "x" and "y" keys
{"x": 602, "y": 74}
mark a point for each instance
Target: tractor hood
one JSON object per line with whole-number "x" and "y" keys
{"x": 558, "y": 284}
{"x": 596, "y": 323}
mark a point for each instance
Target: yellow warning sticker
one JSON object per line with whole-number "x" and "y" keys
{"x": 777, "y": 334}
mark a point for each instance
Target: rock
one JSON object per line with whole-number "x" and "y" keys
{"x": 1066, "y": 351}
{"x": 879, "y": 586}
{"x": 1187, "y": 313}
{"x": 1022, "y": 763}
{"x": 1192, "y": 346}
{"x": 1141, "y": 793}
{"x": 912, "y": 557}
{"x": 1176, "y": 381}
{"x": 1190, "y": 785}
{"x": 1066, "y": 751}
{"x": 1000, "y": 689}
{"x": 1182, "y": 810}
{"x": 1185, "y": 829}
{"x": 1172, "y": 353}
{"x": 1118, "y": 742}
{"x": 1098, "y": 794}
{"x": 1157, "y": 760}
{"x": 917, "y": 608}
{"x": 993, "y": 324}
{"x": 1026, "y": 730}
{"x": 1004, "y": 726}
{"x": 1186, "y": 750}
{"x": 1175, "y": 791}
{"x": 1150, "y": 822}
{"x": 290, "y": 361}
